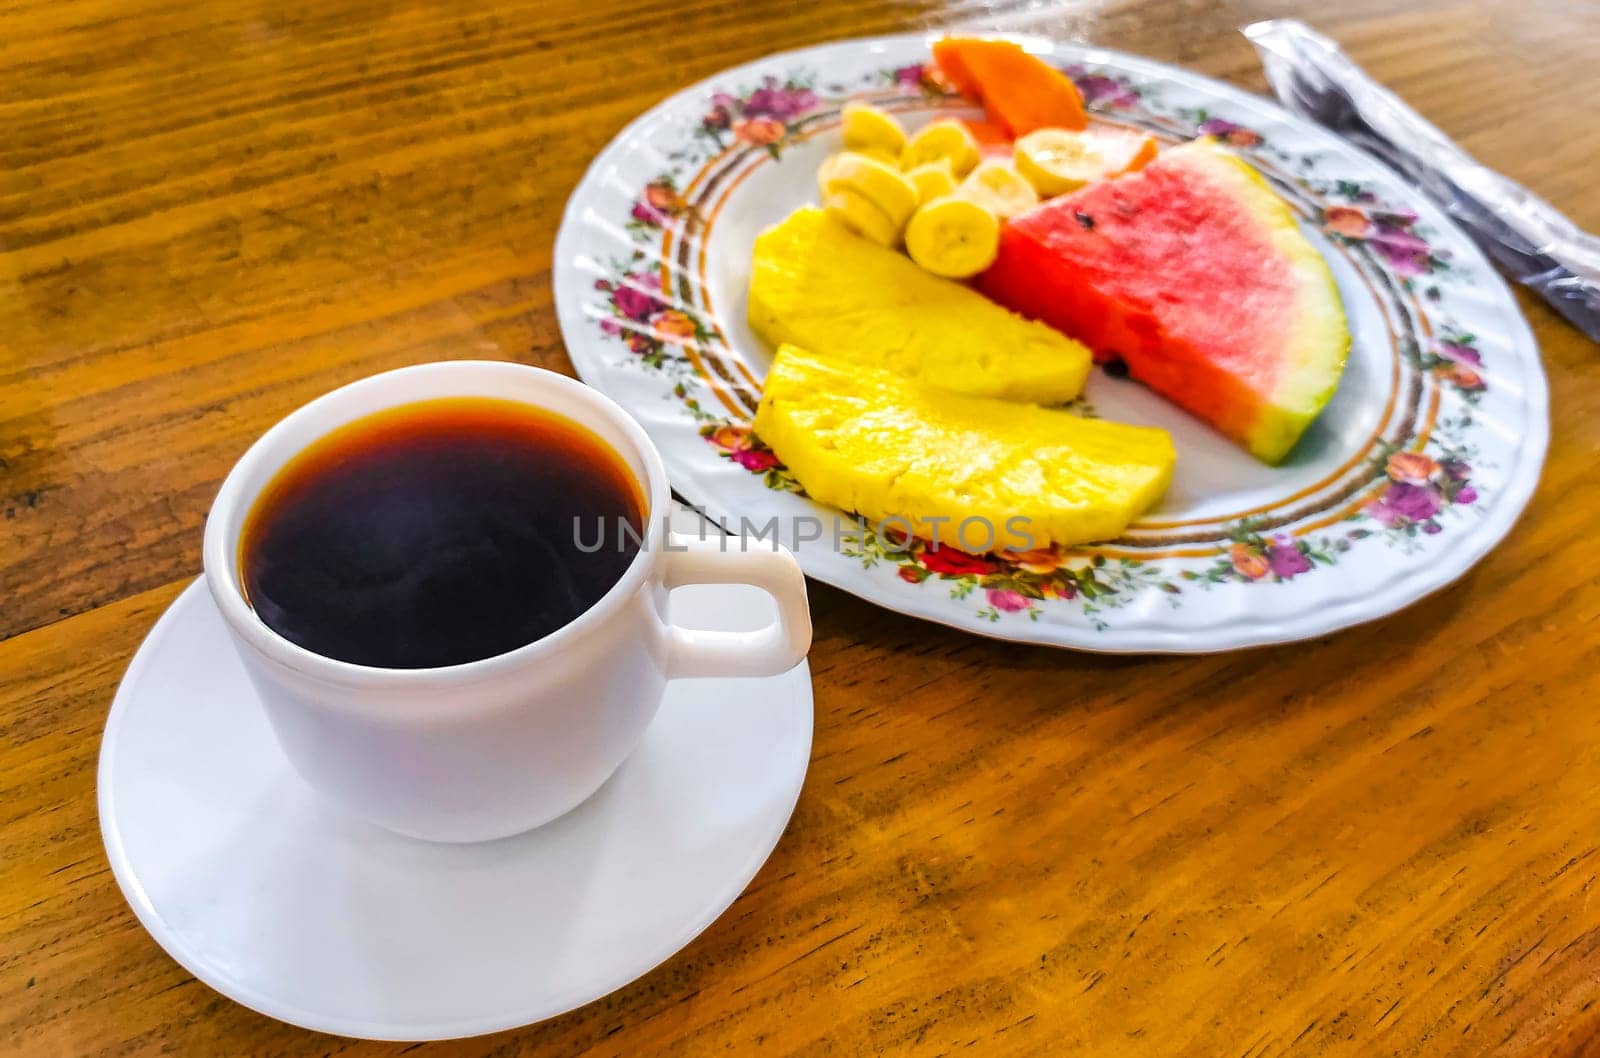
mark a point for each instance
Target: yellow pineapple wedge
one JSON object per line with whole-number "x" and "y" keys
{"x": 870, "y": 441}
{"x": 818, "y": 285}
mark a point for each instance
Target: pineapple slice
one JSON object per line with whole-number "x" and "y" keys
{"x": 818, "y": 285}
{"x": 867, "y": 440}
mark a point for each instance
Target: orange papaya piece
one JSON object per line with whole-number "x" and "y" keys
{"x": 992, "y": 140}
{"x": 947, "y": 56}
{"x": 1020, "y": 92}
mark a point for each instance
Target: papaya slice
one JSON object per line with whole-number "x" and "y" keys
{"x": 988, "y": 133}
{"x": 1020, "y": 92}
{"x": 993, "y": 139}
{"x": 947, "y": 56}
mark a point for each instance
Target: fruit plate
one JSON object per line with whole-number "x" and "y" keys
{"x": 1419, "y": 465}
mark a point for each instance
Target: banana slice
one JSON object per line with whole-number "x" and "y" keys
{"x": 869, "y": 129}
{"x": 878, "y": 182}
{"x": 1056, "y": 161}
{"x": 858, "y": 213}
{"x": 999, "y": 188}
{"x": 889, "y": 158}
{"x": 944, "y": 138}
{"x": 826, "y": 171}
{"x": 933, "y": 180}
{"x": 953, "y": 237}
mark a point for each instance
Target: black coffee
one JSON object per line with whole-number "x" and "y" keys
{"x": 439, "y": 533}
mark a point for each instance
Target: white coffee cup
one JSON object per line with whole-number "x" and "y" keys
{"x": 499, "y": 746}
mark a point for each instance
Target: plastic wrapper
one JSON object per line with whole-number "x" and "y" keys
{"x": 1524, "y": 235}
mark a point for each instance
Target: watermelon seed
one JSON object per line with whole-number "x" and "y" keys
{"x": 1086, "y": 221}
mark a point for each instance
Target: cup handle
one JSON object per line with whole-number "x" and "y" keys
{"x": 768, "y": 651}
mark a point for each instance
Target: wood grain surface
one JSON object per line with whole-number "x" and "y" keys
{"x": 1384, "y": 842}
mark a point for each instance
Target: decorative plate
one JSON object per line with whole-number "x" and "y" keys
{"x": 1419, "y": 465}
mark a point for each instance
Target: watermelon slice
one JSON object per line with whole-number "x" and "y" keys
{"x": 1194, "y": 273}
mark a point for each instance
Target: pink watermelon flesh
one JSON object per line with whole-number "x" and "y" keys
{"x": 1194, "y": 273}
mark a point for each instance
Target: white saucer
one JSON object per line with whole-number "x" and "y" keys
{"x": 274, "y": 899}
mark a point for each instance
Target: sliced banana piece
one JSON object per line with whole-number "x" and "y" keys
{"x": 889, "y": 158}
{"x": 945, "y": 138}
{"x": 999, "y": 188}
{"x": 878, "y": 182}
{"x": 869, "y": 128}
{"x": 861, "y": 216}
{"x": 826, "y": 171}
{"x": 1056, "y": 161}
{"x": 933, "y": 180}
{"x": 954, "y": 237}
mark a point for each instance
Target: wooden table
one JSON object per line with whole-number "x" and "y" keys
{"x": 1380, "y": 842}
